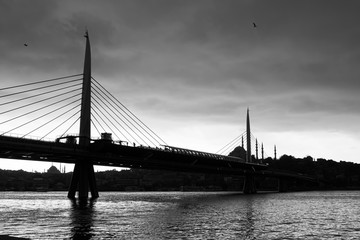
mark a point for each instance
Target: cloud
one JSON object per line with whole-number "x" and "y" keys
{"x": 200, "y": 63}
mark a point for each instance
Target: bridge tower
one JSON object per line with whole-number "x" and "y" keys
{"x": 248, "y": 138}
{"x": 83, "y": 176}
{"x": 249, "y": 183}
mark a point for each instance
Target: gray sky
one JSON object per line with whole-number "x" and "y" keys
{"x": 189, "y": 69}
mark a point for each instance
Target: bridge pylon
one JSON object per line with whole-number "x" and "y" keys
{"x": 248, "y": 138}
{"x": 83, "y": 177}
{"x": 249, "y": 183}
{"x": 249, "y": 178}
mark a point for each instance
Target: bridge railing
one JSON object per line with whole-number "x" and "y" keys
{"x": 163, "y": 148}
{"x": 206, "y": 154}
{"x": 199, "y": 153}
{"x": 20, "y": 136}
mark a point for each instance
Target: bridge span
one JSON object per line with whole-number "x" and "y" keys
{"x": 85, "y": 152}
{"x": 107, "y": 153}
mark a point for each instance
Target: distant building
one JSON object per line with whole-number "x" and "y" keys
{"x": 53, "y": 170}
{"x": 238, "y": 152}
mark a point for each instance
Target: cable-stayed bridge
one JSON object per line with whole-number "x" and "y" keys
{"x": 66, "y": 111}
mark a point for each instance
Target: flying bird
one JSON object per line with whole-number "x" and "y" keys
{"x": 25, "y": 44}
{"x": 254, "y": 25}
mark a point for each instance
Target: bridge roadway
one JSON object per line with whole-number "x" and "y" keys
{"x": 107, "y": 153}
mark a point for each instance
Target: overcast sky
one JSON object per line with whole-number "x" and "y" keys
{"x": 190, "y": 69}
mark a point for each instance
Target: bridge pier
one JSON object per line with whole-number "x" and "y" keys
{"x": 249, "y": 183}
{"x": 282, "y": 185}
{"x": 84, "y": 177}
{"x": 83, "y": 180}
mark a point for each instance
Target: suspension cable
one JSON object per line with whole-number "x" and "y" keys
{"x": 120, "y": 132}
{"x": 117, "y": 101}
{"x": 39, "y": 117}
{"x": 118, "y": 122}
{"x": 49, "y": 80}
{"x": 61, "y": 123}
{"x": 127, "y": 119}
{"x": 123, "y": 121}
{"x": 39, "y": 88}
{"x": 42, "y": 100}
{"x": 97, "y": 121}
{"x": 50, "y": 121}
{"x": 106, "y": 122}
{"x": 70, "y": 126}
{"x": 96, "y": 94}
{"x": 128, "y": 125}
{"x": 40, "y": 94}
{"x": 95, "y": 125}
{"x": 230, "y": 143}
{"x": 230, "y": 148}
{"x": 49, "y": 105}
{"x": 103, "y": 128}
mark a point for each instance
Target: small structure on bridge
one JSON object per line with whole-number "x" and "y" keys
{"x": 106, "y": 137}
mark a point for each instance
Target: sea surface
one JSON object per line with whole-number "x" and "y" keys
{"x": 182, "y": 215}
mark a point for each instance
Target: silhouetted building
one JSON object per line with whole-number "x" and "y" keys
{"x": 238, "y": 152}
{"x": 53, "y": 170}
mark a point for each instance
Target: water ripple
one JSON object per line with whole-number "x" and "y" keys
{"x": 179, "y": 215}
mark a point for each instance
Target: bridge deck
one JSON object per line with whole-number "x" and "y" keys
{"x": 106, "y": 153}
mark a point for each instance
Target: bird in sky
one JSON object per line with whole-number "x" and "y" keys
{"x": 254, "y": 25}
{"x": 25, "y": 44}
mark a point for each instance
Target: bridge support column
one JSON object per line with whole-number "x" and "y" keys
{"x": 84, "y": 177}
{"x": 82, "y": 180}
{"x": 282, "y": 185}
{"x": 249, "y": 183}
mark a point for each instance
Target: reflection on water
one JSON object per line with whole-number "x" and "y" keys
{"x": 180, "y": 215}
{"x": 249, "y": 222}
{"x": 81, "y": 215}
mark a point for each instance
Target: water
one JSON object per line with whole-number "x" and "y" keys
{"x": 183, "y": 215}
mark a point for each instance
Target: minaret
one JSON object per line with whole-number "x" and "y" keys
{"x": 248, "y": 138}
{"x": 257, "y": 150}
{"x": 274, "y": 152}
{"x": 262, "y": 152}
